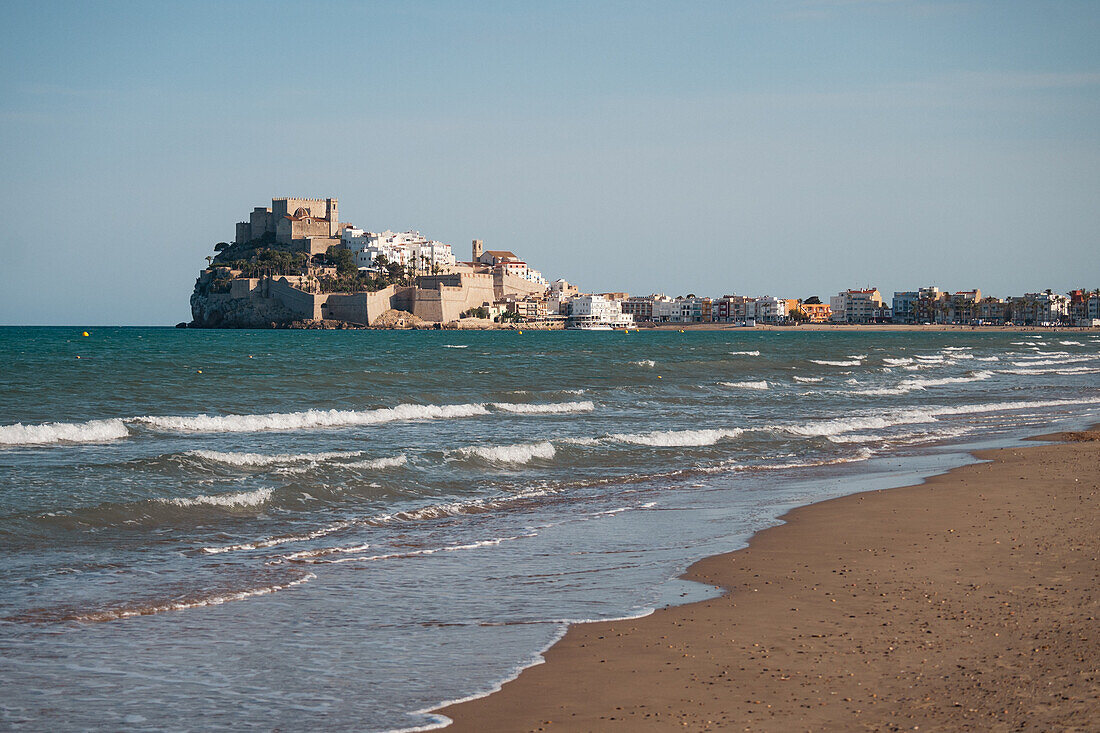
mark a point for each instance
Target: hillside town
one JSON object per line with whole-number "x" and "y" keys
{"x": 294, "y": 264}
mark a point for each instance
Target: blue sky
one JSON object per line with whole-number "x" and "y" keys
{"x": 792, "y": 148}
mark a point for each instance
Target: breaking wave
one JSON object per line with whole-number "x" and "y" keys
{"x": 645, "y": 363}
{"x": 456, "y": 346}
{"x": 677, "y": 438}
{"x": 545, "y": 407}
{"x": 901, "y": 361}
{"x": 380, "y": 463}
{"x": 92, "y": 431}
{"x": 115, "y": 614}
{"x": 762, "y": 384}
{"x": 827, "y": 362}
{"x": 917, "y": 383}
{"x": 261, "y": 459}
{"x": 809, "y": 379}
{"x": 519, "y": 453}
{"x": 308, "y": 418}
{"x": 242, "y": 499}
{"x": 745, "y": 353}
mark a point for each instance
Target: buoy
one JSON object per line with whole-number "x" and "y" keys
{"x": 521, "y": 333}
{"x": 200, "y": 371}
{"x": 78, "y": 357}
{"x": 86, "y": 333}
{"x": 658, "y": 376}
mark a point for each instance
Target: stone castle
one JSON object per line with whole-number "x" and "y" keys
{"x": 309, "y": 225}
{"x": 312, "y": 225}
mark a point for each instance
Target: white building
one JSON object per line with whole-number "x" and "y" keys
{"x": 587, "y": 311}
{"x": 766, "y": 309}
{"x": 855, "y": 306}
{"x": 405, "y": 248}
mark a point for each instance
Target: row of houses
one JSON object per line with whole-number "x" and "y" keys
{"x": 927, "y": 305}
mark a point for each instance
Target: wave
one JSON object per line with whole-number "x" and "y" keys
{"x": 380, "y": 463}
{"x": 409, "y": 553}
{"x": 243, "y": 499}
{"x": 826, "y": 362}
{"x": 899, "y": 361}
{"x": 261, "y": 459}
{"x": 308, "y": 418}
{"x": 545, "y": 407}
{"x": 746, "y": 385}
{"x": 1051, "y": 362}
{"x": 519, "y": 453}
{"x": 677, "y": 438}
{"x": 115, "y": 614}
{"x": 958, "y": 348}
{"x": 456, "y": 346}
{"x": 645, "y": 363}
{"x": 1063, "y": 371}
{"x": 809, "y": 379}
{"x": 92, "y": 431}
{"x": 835, "y": 426}
{"x": 745, "y": 353}
{"x": 274, "y": 541}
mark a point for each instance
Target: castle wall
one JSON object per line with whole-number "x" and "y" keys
{"x": 304, "y": 305}
{"x": 512, "y": 285}
{"x": 242, "y": 287}
{"x": 260, "y": 222}
{"x": 361, "y": 308}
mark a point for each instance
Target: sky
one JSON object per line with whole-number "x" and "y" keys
{"x": 788, "y": 147}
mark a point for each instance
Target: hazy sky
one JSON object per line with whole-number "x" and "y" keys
{"x": 791, "y": 148}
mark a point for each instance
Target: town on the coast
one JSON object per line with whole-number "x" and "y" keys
{"x": 295, "y": 264}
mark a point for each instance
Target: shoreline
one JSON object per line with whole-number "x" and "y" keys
{"x": 965, "y": 601}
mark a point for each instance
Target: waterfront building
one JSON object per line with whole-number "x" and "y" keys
{"x": 816, "y": 312}
{"x": 905, "y": 306}
{"x": 767, "y": 309}
{"x": 588, "y": 311}
{"x": 731, "y": 308}
{"x": 856, "y": 306}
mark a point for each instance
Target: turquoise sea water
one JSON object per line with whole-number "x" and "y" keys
{"x": 300, "y": 529}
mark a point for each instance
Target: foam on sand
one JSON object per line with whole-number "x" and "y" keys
{"x": 92, "y": 431}
{"x": 677, "y": 438}
{"x": 308, "y": 418}
{"x": 519, "y": 453}
{"x": 545, "y": 407}
{"x": 762, "y": 384}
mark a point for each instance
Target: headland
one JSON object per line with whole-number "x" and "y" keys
{"x": 294, "y": 264}
{"x": 965, "y": 603}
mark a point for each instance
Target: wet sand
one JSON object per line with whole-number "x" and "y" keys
{"x": 969, "y": 602}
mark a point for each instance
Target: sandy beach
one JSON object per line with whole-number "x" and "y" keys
{"x": 968, "y": 602}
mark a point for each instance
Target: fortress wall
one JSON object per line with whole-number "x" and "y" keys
{"x": 242, "y": 287}
{"x": 512, "y": 285}
{"x": 301, "y": 303}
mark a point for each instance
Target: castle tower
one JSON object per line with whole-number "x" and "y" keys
{"x": 477, "y": 249}
{"x": 333, "y": 217}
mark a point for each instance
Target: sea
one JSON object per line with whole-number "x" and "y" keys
{"x": 344, "y": 529}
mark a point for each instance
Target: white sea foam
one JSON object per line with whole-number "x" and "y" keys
{"x": 809, "y": 379}
{"x": 215, "y": 600}
{"x": 308, "y": 418}
{"x": 92, "y": 431}
{"x": 243, "y": 498}
{"x": 645, "y": 363}
{"x": 827, "y": 362}
{"x": 922, "y": 383}
{"x": 898, "y": 362}
{"x": 262, "y": 459}
{"x": 412, "y": 553}
{"x": 275, "y": 541}
{"x": 987, "y": 358}
{"x": 762, "y": 384}
{"x": 519, "y": 453}
{"x": 380, "y": 463}
{"x": 1051, "y": 362}
{"x": 957, "y": 348}
{"x": 456, "y": 346}
{"x": 836, "y": 426}
{"x": 545, "y": 407}
{"x": 677, "y": 438}
{"x": 1063, "y": 371}
{"x": 745, "y": 353}
{"x": 932, "y": 359}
